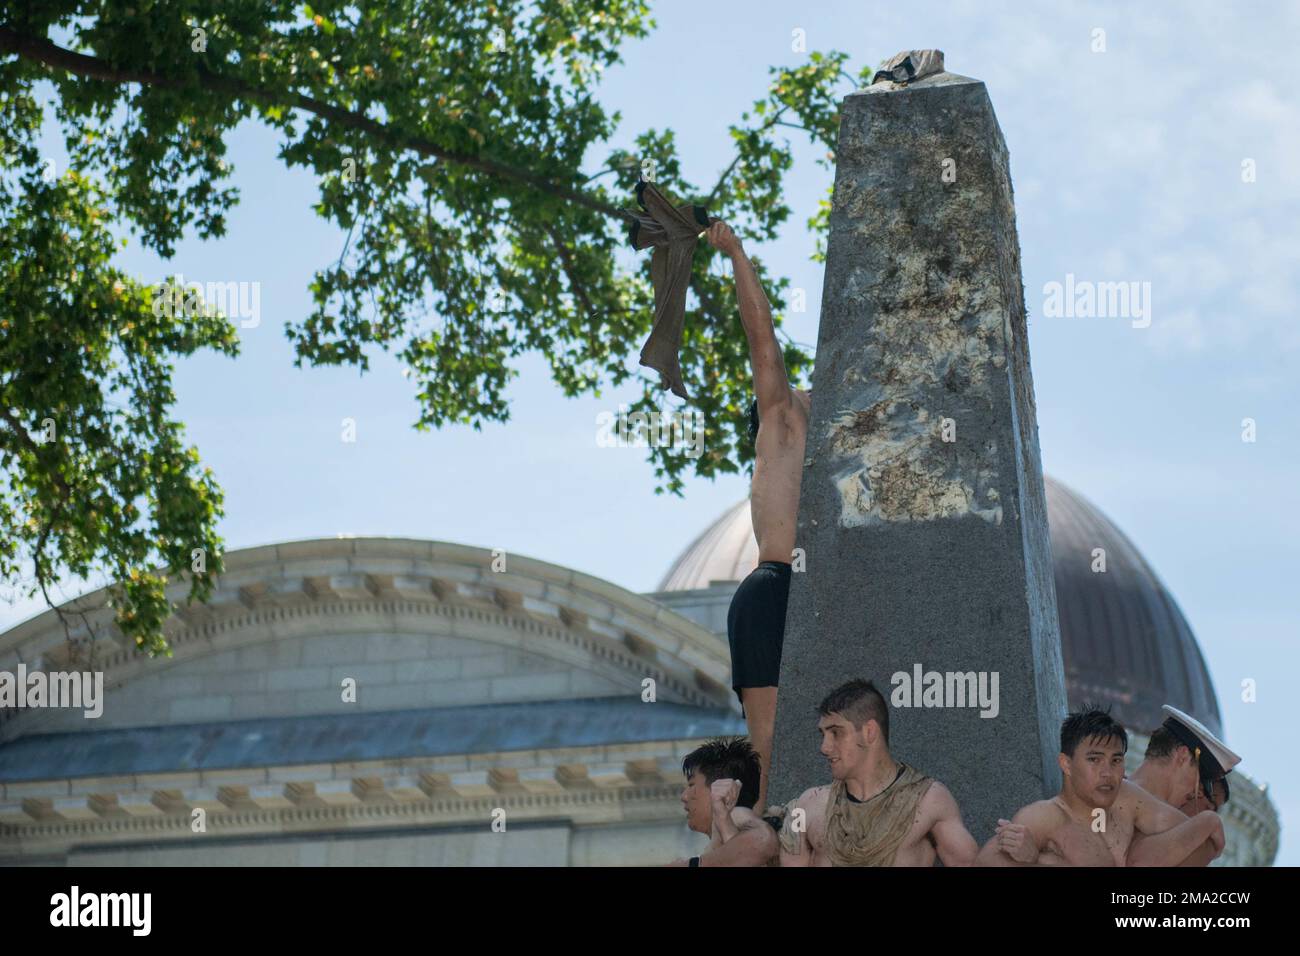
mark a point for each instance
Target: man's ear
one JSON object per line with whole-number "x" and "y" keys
{"x": 1063, "y": 762}
{"x": 873, "y": 731}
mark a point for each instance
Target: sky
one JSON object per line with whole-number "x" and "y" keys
{"x": 1160, "y": 150}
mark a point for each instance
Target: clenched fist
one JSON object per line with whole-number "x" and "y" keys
{"x": 723, "y": 239}
{"x": 1015, "y": 840}
{"x": 725, "y": 793}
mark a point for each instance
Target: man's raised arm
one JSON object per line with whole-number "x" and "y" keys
{"x": 1170, "y": 838}
{"x": 771, "y": 384}
{"x": 753, "y": 843}
{"x": 1189, "y": 843}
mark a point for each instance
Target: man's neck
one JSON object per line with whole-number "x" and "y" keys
{"x": 1151, "y": 779}
{"x": 877, "y": 773}
{"x": 1076, "y": 808}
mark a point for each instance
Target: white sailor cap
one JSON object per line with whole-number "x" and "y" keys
{"x": 1196, "y": 735}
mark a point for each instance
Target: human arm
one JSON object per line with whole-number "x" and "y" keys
{"x": 1018, "y": 841}
{"x": 955, "y": 845}
{"x": 753, "y": 843}
{"x": 796, "y": 849}
{"x": 1203, "y": 854}
{"x": 771, "y": 383}
{"x": 1168, "y": 840}
{"x": 723, "y": 794}
{"x": 1183, "y": 841}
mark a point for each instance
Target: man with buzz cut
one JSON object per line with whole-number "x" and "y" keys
{"x": 877, "y": 811}
{"x": 1186, "y": 766}
{"x": 721, "y": 787}
{"x": 1095, "y": 818}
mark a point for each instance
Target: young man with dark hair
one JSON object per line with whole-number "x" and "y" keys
{"x": 1186, "y": 766}
{"x": 722, "y": 779}
{"x": 778, "y": 427}
{"x": 877, "y": 811}
{"x": 1093, "y": 820}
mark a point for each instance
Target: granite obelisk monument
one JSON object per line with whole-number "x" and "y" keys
{"x": 922, "y": 517}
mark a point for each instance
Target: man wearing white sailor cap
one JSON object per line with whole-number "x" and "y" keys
{"x": 1186, "y": 766}
{"x": 1183, "y": 760}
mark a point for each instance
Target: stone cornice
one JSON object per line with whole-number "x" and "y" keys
{"x": 355, "y": 568}
{"x": 407, "y": 587}
{"x": 590, "y": 785}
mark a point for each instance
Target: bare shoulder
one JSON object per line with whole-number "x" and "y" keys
{"x": 1147, "y": 812}
{"x": 776, "y": 402}
{"x": 1045, "y": 815}
{"x": 1132, "y": 799}
{"x": 812, "y": 801}
{"x": 938, "y": 802}
{"x": 744, "y": 817}
{"x": 1130, "y": 792}
{"x": 814, "y": 796}
{"x": 797, "y": 411}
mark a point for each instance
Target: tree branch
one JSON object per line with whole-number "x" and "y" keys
{"x": 26, "y": 441}
{"x": 704, "y": 297}
{"x": 567, "y": 261}
{"x": 727, "y": 172}
{"x": 41, "y": 50}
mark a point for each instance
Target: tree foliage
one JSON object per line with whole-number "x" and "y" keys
{"x": 450, "y": 141}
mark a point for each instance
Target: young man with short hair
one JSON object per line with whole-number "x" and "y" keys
{"x": 722, "y": 779}
{"x": 877, "y": 811}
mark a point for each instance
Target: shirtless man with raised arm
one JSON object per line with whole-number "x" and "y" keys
{"x": 778, "y": 425}
{"x": 876, "y": 811}
{"x": 721, "y": 787}
{"x": 1095, "y": 817}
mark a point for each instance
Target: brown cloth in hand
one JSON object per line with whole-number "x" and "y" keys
{"x": 868, "y": 833}
{"x": 673, "y": 232}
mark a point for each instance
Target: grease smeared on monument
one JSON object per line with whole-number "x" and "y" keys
{"x": 936, "y": 319}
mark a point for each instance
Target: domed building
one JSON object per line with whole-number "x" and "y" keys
{"x": 377, "y": 701}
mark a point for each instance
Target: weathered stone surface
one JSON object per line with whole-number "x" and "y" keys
{"x": 920, "y": 550}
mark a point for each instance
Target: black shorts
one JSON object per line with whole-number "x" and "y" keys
{"x": 756, "y": 626}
